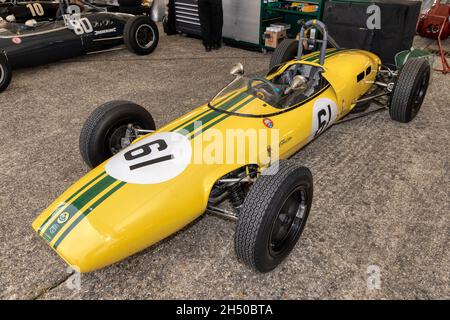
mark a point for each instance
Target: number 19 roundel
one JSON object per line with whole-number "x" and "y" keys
{"x": 155, "y": 159}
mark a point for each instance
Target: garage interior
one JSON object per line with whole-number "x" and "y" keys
{"x": 382, "y": 189}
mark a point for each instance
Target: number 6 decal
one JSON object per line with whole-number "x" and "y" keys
{"x": 157, "y": 158}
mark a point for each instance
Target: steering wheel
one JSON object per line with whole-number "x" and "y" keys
{"x": 269, "y": 84}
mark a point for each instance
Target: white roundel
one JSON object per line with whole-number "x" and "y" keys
{"x": 325, "y": 112}
{"x": 155, "y": 159}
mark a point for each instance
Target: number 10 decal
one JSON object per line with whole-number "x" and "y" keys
{"x": 154, "y": 159}
{"x": 36, "y": 9}
{"x": 145, "y": 151}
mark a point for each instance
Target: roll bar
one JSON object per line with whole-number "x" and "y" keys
{"x": 323, "y": 29}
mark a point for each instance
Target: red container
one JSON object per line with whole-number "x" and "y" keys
{"x": 435, "y": 21}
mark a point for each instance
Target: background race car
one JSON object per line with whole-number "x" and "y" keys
{"x": 34, "y": 43}
{"x": 21, "y": 11}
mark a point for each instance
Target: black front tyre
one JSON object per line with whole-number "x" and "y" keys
{"x": 5, "y": 72}
{"x": 410, "y": 90}
{"x": 273, "y": 216}
{"x": 141, "y": 35}
{"x": 286, "y": 51}
{"x": 103, "y": 131}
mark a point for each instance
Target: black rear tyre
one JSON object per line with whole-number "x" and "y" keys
{"x": 286, "y": 51}
{"x": 410, "y": 90}
{"x": 5, "y": 73}
{"x": 141, "y": 35}
{"x": 273, "y": 216}
{"x": 103, "y": 130}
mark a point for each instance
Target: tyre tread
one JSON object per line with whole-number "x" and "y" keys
{"x": 254, "y": 207}
{"x": 280, "y": 54}
{"x": 402, "y": 95}
{"x": 91, "y": 124}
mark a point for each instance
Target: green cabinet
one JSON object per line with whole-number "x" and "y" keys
{"x": 284, "y": 12}
{"x": 245, "y": 21}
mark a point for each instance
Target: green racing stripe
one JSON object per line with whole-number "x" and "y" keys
{"x": 195, "y": 118}
{"x": 87, "y": 212}
{"x": 212, "y": 115}
{"x": 66, "y": 215}
{"x": 56, "y": 211}
{"x": 191, "y": 119}
{"x": 203, "y": 129}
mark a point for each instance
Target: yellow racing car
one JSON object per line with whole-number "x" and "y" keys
{"x": 227, "y": 157}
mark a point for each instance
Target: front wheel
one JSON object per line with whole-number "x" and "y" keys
{"x": 5, "y": 72}
{"x": 410, "y": 90}
{"x": 141, "y": 35}
{"x": 106, "y": 130}
{"x": 273, "y": 216}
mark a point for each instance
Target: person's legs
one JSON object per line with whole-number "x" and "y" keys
{"x": 204, "y": 11}
{"x": 217, "y": 23}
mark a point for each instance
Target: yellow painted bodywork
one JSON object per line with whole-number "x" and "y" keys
{"x": 123, "y": 218}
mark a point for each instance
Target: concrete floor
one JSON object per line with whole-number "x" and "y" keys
{"x": 381, "y": 190}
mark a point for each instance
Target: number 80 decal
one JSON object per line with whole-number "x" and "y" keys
{"x": 74, "y": 21}
{"x": 80, "y": 26}
{"x": 155, "y": 159}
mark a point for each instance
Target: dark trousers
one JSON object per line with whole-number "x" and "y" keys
{"x": 211, "y": 20}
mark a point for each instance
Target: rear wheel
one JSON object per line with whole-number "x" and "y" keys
{"x": 105, "y": 130}
{"x": 410, "y": 90}
{"x": 5, "y": 73}
{"x": 273, "y": 216}
{"x": 286, "y": 51}
{"x": 141, "y": 35}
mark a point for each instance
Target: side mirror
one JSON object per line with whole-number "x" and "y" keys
{"x": 237, "y": 70}
{"x": 299, "y": 82}
{"x": 31, "y": 23}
